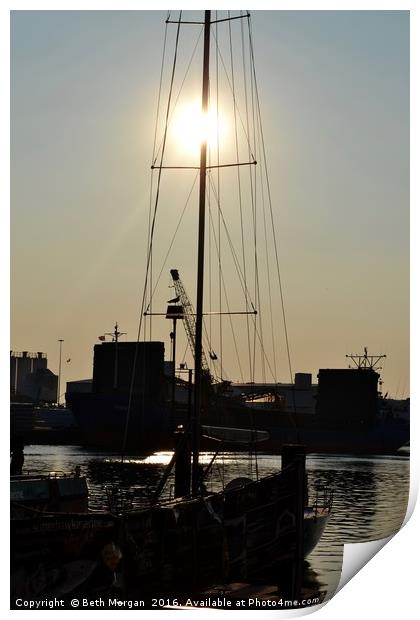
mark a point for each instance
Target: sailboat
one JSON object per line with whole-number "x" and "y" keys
{"x": 251, "y": 529}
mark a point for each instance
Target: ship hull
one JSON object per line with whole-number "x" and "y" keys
{"x": 379, "y": 439}
{"x": 104, "y": 422}
{"x": 318, "y": 433}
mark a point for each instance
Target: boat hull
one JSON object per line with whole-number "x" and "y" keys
{"x": 244, "y": 533}
{"x": 56, "y": 544}
{"x": 45, "y": 550}
{"x": 315, "y": 521}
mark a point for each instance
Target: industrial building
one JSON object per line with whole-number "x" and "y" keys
{"x": 30, "y": 378}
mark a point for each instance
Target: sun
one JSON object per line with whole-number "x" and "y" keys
{"x": 190, "y": 127}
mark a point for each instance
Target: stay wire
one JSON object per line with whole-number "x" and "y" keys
{"x": 258, "y": 107}
{"x": 230, "y": 86}
{"x": 235, "y": 258}
{"x": 259, "y": 117}
{"x": 160, "y": 91}
{"x": 252, "y": 186}
{"x": 153, "y": 159}
{"x": 228, "y": 308}
{"x": 257, "y": 146}
{"x": 173, "y": 240}
{"x": 240, "y": 277}
{"x": 218, "y": 199}
{"x": 180, "y": 89}
{"x": 240, "y": 194}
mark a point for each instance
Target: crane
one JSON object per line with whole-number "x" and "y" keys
{"x": 188, "y": 318}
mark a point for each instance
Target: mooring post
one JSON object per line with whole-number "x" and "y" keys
{"x": 183, "y": 461}
{"x": 294, "y": 466}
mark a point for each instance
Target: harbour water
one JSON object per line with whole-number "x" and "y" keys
{"x": 370, "y": 493}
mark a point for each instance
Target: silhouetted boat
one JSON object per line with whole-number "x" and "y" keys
{"x": 251, "y": 529}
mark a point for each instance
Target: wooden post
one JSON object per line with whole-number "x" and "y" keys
{"x": 182, "y": 463}
{"x": 291, "y": 575}
{"x": 183, "y": 449}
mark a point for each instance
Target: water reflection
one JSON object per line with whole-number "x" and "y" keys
{"x": 370, "y": 501}
{"x": 370, "y": 494}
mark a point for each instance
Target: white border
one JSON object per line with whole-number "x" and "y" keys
{"x": 388, "y": 584}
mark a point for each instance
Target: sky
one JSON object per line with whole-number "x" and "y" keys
{"x": 334, "y": 89}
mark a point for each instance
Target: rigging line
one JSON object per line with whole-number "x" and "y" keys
{"x": 180, "y": 90}
{"x": 228, "y": 307}
{"x": 258, "y": 107}
{"x": 230, "y": 85}
{"x": 159, "y": 92}
{"x": 253, "y": 318}
{"x": 149, "y": 223}
{"x": 207, "y": 334}
{"x": 257, "y": 288}
{"x": 217, "y": 200}
{"x": 253, "y": 205}
{"x": 261, "y": 327}
{"x": 235, "y": 165}
{"x": 149, "y": 265}
{"x": 215, "y": 362}
{"x": 292, "y": 417}
{"x": 267, "y": 261}
{"x": 245, "y": 289}
{"x": 153, "y": 159}
{"x": 214, "y": 21}
{"x": 229, "y": 313}
{"x": 229, "y": 19}
{"x": 130, "y": 397}
{"x": 211, "y": 362}
{"x": 239, "y": 191}
{"x": 174, "y": 236}
{"x": 230, "y": 319}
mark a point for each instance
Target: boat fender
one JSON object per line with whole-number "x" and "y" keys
{"x": 111, "y": 555}
{"x": 237, "y": 483}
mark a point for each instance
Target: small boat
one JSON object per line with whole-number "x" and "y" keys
{"x": 56, "y": 492}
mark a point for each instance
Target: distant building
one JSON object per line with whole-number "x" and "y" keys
{"x": 297, "y": 397}
{"x": 30, "y": 378}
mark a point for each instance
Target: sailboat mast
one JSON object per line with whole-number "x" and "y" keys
{"x": 200, "y": 265}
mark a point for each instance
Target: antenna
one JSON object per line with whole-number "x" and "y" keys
{"x": 365, "y": 361}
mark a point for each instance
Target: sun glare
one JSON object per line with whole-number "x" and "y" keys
{"x": 190, "y": 127}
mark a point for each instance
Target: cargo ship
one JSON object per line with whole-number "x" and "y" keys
{"x": 342, "y": 413}
{"x": 113, "y": 415}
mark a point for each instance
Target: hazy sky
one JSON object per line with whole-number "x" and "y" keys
{"x": 334, "y": 90}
